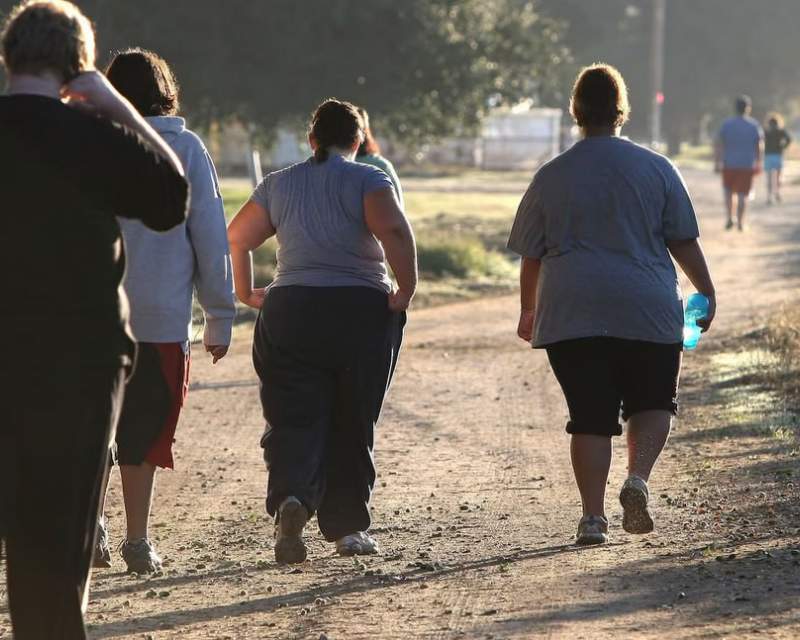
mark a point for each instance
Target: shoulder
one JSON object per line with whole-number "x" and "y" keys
{"x": 296, "y": 169}
{"x": 366, "y": 173}
{"x": 191, "y": 141}
{"x": 754, "y": 124}
{"x": 376, "y": 161}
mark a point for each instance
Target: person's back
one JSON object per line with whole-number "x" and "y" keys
{"x": 65, "y": 176}
{"x": 776, "y": 139}
{"x": 740, "y": 136}
{"x": 318, "y": 214}
{"x": 607, "y": 206}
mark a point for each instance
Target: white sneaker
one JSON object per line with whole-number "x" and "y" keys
{"x": 357, "y": 544}
{"x": 634, "y": 496}
{"x": 289, "y": 524}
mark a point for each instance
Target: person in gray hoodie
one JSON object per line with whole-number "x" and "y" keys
{"x": 163, "y": 270}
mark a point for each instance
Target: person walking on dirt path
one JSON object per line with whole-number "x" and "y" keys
{"x": 370, "y": 153}
{"x": 163, "y": 269}
{"x": 599, "y": 292}
{"x": 776, "y": 140}
{"x": 73, "y": 154}
{"x": 737, "y": 155}
{"x": 329, "y": 329}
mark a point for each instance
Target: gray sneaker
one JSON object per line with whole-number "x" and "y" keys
{"x": 140, "y": 556}
{"x": 634, "y": 496}
{"x": 101, "y": 558}
{"x": 289, "y": 524}
{"x": 357, "y": 544}
{"x": 592, "y": 530}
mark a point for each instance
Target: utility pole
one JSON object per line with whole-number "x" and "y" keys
{"x": 657, "y": 71}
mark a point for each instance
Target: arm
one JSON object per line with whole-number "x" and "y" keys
{"x": 133, "y": 173}
{"x": 387, "y": 222}
{"x": 247, "y": 231}
{"x": 719, "y": 151}
{"x": 691, "y": 259}
{"x": 93, "y": 91}
{"x": 759, "y": 154}
{"x": 212, "y": 279}
{"x": 528, "y": 282}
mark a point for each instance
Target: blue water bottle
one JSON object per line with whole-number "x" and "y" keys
{"x": 696, "y": 309}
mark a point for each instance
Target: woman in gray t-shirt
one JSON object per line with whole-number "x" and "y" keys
{"x": 599, "y": 291}
{"x": 329, "y": 329}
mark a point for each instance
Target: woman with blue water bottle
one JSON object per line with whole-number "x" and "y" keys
{"x": 599, "y": 292}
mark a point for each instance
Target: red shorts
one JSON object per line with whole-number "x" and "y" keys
{"x": 154, "y": 397}
{"x": 738, "y": 180}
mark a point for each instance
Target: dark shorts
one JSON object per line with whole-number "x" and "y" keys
{"x": 738, "y": 180}
{"x": 601, "y": 376}
{"x": 153, "y": 400}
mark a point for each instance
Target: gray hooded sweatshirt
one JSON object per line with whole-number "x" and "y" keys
{"x": 163, "y": 269}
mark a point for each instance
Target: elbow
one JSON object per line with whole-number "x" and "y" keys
{"x": 171, "y": 208}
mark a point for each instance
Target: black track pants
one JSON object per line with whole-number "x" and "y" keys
{"x": 55, "y": 438}
{"x": 325, "y": 357}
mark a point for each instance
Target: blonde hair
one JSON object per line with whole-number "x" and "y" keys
{"x": 600, "y": 97}
{"x": 48, "y": 35}
{"x": 777, "y": 117}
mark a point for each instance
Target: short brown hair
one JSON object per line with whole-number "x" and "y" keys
{"x": 48, "y": 35}
{"x": 600, "y": 97}
{"x": 145, "y": 79}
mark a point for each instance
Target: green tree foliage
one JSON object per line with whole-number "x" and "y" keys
{"x": 424, "y": 68}
{"x": 715, "y": 49}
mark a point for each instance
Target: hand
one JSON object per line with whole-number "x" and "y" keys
{"x": 525, "y": 326}
{"x": 217, "y": 351}
{"x": 705, "y": 323}
{"x": 757, "y": 168}
{"x": 92, "y": 91}
{"x": 255, "y": 299}
{"x": 399, "y": 300}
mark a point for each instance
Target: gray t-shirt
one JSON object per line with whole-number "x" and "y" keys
{"x": 317, "y": 210}
{"x": 599, "y": 216}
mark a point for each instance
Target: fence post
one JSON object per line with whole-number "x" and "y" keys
{"x": 254, "y": 166}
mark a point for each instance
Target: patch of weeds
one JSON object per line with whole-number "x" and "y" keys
{"x": 461, "y": 258}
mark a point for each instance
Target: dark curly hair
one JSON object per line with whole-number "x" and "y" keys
{"x": 335, "y": 123}
{"x": 600, "y": 97}
{"x": 145, "y": 79}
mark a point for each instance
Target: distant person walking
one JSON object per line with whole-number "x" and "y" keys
{"x": 776, "y": 141}
{"x": 369, "y": 152}
{"x": 68, "y": 169}
{"x": 738, "y": 151}
{"x": 599, "y": 292}
{"x": 329, "y": 330}
{"x": 163, "y": 269}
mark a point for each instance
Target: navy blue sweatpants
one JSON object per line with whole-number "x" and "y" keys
{"x": 325, "y": 357}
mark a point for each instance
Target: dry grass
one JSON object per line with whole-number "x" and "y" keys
{"x": 782, "y": 338}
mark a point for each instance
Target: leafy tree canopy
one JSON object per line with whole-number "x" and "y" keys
{"x": 424, "y": 68}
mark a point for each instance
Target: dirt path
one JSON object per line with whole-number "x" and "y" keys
{"x": 475, "y": 505}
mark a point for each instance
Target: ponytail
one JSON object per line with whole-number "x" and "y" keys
{"x": 335, "y": 124}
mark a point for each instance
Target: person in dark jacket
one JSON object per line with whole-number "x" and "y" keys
{"x": 73, "y": 154}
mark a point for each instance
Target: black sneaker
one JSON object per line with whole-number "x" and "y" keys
{"x": 140, "y": 556}
{"x": 289, "y": 524}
